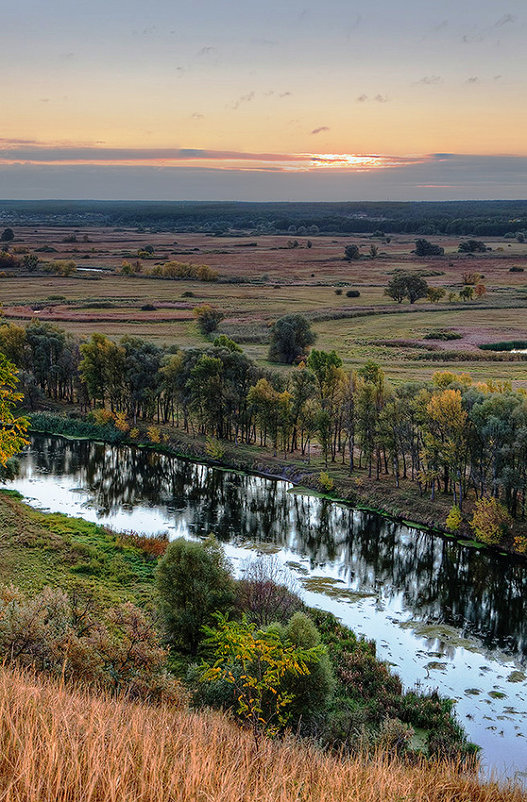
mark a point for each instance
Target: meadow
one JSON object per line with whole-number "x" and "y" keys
{"x": 261, "y": 278}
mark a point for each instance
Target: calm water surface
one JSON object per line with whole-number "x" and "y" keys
{"x": 445, "y": 616}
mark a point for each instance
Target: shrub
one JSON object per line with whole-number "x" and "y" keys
{"x": 193, "y": 582}
{"x": 435, "y": 294}
{"x": 326, "y": 482}
{"x": 311, "y": 692}
{"x": 101, "y": 417}
{"x": 351, "y": 252}
{"x": 338, "y": 291}
{"x": 352, "y": 294}
{"x": 70, "y": 638}
{"x": 61, "y": 267}
{"x": 213, "y": 448}
{"x": 442, "y": 334}
{"x": 472, "y": 246}
{"x": 154, "y": 435}
{"x": 471, "y": 278}
{"x": 425, "y": 248}
{"x": 267, "y": 592}
{"x": 454, "y": 519}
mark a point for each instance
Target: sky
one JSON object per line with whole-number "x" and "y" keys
{"x": 264, "y": 100}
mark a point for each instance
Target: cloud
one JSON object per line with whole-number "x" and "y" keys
{"x": 474, "y": 79}
{"x": 430, "y": 80}
{"x": 506, "y": 19}
{"x": 461, "y": 177}
{"x": 320, "y": 130}
{"x": 378, "y": 98}
{"x": 197, "y": 116}
{"x": 206, "y": 51}
{"x": 242, "y": 100}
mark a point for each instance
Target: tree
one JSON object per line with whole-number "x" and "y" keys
{"x": 12, "y": 427}
{"x": 490, "y": 522}
{"x": 425, "y": 248}
{"x": 30, "y": 262}
{"x": 193, "y": 582}
{"x": 291, "y": 335}
{"x": 258, "y": 664}
{"x": 374, "y": 251}
{"x": 7, "y": 235}
{"x": 466, "y": 293}
{"x": 435, "y": 294}
{"x": 351, "y": 252}
{"x": 472, "y": 246}
{"x": 406, "y": 285}
{"x": 208, "y": 318}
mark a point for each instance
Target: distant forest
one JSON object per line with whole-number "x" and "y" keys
{"x": 484, "y": 218}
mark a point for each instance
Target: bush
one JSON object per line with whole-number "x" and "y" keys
{"x": 351, "y": 252}
{"x": 193, "y": 582}
{"x": 312, "y": 691}
{"x": 425, "y": 248}
{"x": 442, "y": 334}
{"x": 472, "y": 246}
{"x": 70, "y": 638}
{"x": 326, "y": 482}
{"x": 454, "y": 519}
{"x": 352, "y": 294}
{"x": 338, "y": 291}
{"x": 267, "y": 592}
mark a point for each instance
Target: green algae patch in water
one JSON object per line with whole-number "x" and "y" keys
{"x": 441, "y": 632}
{"x": 497, "y": 694}
{"x": 516, "y": 676}
{"x": 334, "y": 588}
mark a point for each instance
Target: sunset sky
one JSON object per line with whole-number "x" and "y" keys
{"x": 268, "y": 100}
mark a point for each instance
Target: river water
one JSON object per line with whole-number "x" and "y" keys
{"x": 445, "y": 616}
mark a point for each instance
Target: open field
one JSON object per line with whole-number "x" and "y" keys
{"x": 261, "y": 278}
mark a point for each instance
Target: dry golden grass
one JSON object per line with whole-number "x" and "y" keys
{"x": 58, "y": 745}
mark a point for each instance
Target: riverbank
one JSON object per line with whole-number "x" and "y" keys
{"x": 43, "y": 551}
{"x": 402, "y": 504}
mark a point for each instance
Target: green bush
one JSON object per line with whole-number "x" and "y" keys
{"x": 193, "y": 583}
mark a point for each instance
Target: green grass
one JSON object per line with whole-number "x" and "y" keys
{"x": 39, "y": 549}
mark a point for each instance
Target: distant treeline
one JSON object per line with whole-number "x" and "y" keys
{"x": 483, "y": 218}
{"x": 450, "y": 435}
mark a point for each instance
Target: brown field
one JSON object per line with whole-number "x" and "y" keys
{"x": 59, "y": 745}
{"x": 260, "y": 282}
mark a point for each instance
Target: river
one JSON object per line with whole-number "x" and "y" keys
{"x": 445, "y": 616}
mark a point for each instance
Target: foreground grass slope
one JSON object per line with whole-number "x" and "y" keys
{"x": 64, "y": 745}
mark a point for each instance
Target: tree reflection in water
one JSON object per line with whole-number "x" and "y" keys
{"x": 438, "y": 580}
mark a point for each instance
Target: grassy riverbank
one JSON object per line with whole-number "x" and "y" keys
{"x": 39, "y": 549}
